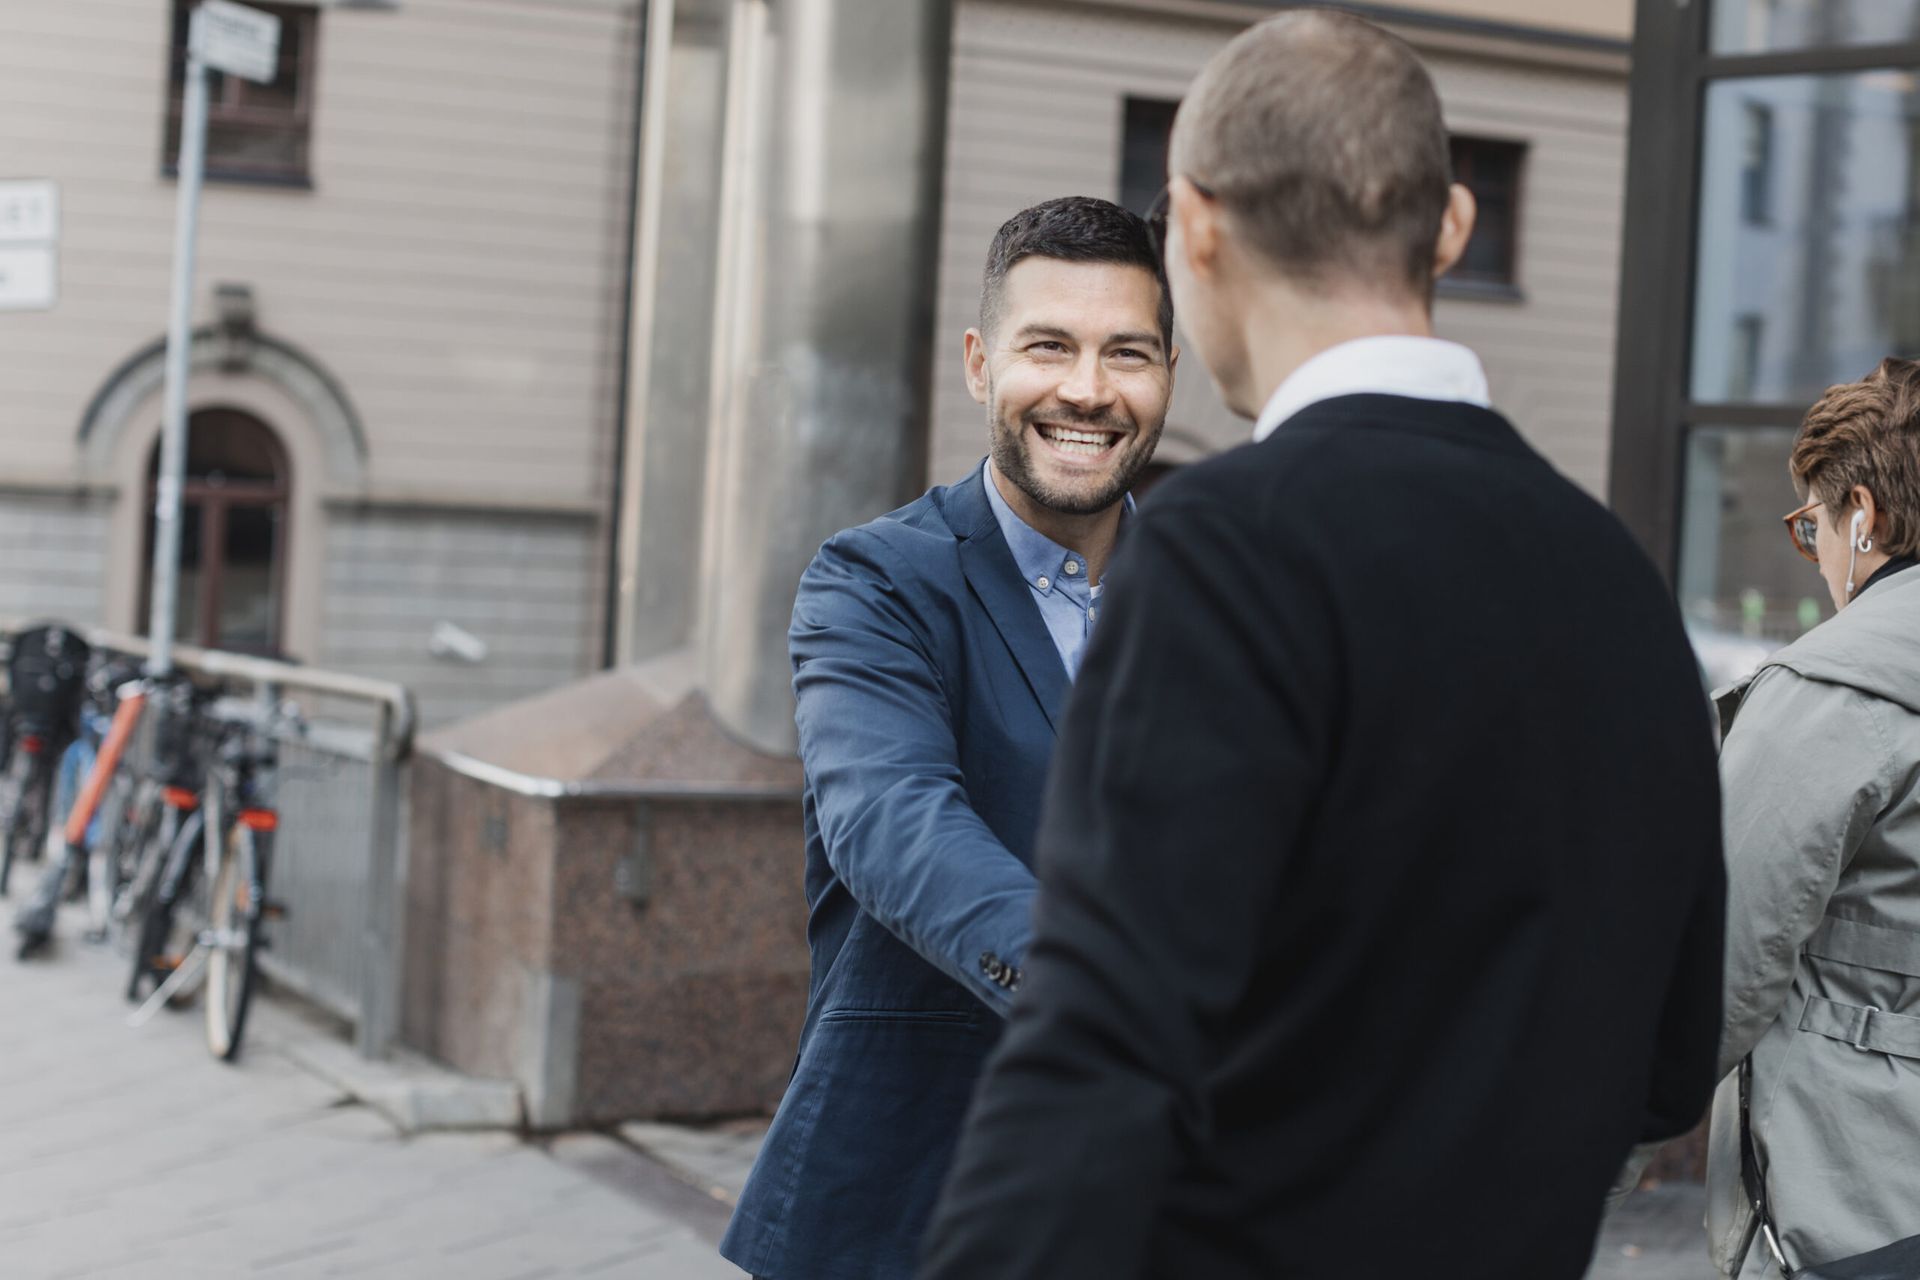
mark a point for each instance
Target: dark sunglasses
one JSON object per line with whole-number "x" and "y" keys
{"x": 1156, "y": 218}
{"x": 1803, "y": 528}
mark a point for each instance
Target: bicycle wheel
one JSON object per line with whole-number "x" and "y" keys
{"x": 110, "y": 858}
{"x": 174, "y": 916}
{"x": 13, "y": 790}
{"x": 233, "y": 929}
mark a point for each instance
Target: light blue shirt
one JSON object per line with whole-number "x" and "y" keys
{"x": 1057, "y": 576}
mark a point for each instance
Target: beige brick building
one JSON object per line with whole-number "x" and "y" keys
{"x": 410, "y": 394}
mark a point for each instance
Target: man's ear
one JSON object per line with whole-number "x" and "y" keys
{"x": 1456, "y": 228}
{"x": 974, "y": 354}
{"x": 1197, "y": 219}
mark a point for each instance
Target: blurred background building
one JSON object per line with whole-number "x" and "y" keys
{"x": 469, "y": 346}
{"x": 1771, "y": 252}
{"x": 542, "y": 341}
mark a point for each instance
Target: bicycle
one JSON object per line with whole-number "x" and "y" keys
{"x": 211, "y": 910}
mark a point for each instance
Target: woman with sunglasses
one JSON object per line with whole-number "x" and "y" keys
{"x": 1815, "y": 1153}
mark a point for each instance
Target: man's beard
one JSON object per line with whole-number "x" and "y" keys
{"x": 1010, "y": 449}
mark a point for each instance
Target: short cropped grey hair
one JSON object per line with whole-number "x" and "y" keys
{"x": 1323, "y": 136}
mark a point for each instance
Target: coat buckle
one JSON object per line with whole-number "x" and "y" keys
{"x": 1866, "y": 1020}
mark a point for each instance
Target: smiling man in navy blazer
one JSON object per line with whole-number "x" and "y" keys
{"x": 932, "y": 650}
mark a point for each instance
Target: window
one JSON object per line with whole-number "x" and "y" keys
{"x": 233, "y": 518}
{"x": 1491, "y": 170}
{"x": 255, "y": 132}
{"x": 1756, "y": 164}
{"x": 1143, "y": 151}
{"x": 1748, "y": 333}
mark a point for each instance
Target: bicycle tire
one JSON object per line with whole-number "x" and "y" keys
{"x": 237, "y": 913}
{"x": 161, "y": 923}
{"x": 108, "y": 867}
{"x": 13, "y": 791}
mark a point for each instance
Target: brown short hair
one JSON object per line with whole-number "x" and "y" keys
{"x": 1323, "y": 136}
{"x": 1867, "y": 433}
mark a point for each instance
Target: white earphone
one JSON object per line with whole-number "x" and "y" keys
{"x": 1857, "y": 542}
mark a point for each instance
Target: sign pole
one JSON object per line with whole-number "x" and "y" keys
{"x": 173, "y": 430}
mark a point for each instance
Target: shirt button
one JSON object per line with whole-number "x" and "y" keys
{"x": 1092, "y": 614}
{"x": 1043, "y": 583}
{"x": 1073, "y": 567}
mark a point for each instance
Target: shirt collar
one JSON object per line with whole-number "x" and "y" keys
{"x": 1039, "y": 558}
{"x": 1394, "y": 365}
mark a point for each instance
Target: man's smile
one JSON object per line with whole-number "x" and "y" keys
{"x": 1079, "y": 443}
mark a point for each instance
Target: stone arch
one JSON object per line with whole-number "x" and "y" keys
{"x": 235, "y": 352}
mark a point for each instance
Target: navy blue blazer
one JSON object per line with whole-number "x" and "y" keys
{"x": 927, "y": 690}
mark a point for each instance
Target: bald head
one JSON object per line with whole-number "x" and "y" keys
{"x": 1322, "y": 137}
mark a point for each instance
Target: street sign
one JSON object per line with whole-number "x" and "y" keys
{"x": 28, "y": 280}
{"x": 237, "y": 40}
{"x": 29, "y": 212}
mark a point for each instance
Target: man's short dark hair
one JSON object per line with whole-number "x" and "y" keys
{"x": 1322, "y": 136}
{"x": 1072, "y": 229}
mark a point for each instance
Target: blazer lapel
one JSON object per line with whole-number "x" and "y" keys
{"x": 988, "y": 564}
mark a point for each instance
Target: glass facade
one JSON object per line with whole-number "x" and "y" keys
{"x": 1808, "y": 263}
{"x": 1743, "y": 589}
{"x": 1779, "y": 26}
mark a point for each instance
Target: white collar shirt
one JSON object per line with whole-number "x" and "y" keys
{"x": 1392, "y": 365}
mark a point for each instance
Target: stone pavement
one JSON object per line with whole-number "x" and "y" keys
{"x": 1657, "y": 1235}
{"x": 133, "y": 1153}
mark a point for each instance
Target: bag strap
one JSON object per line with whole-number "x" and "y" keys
{"x": 1752, "y": 1178}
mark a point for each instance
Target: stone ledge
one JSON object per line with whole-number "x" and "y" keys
{"x": 413, "y": 1093}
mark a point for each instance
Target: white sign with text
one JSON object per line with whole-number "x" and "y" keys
{"x": 29, "y": 212}
{"x": 237, "y": 40}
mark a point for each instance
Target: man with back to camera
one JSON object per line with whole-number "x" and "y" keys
{"x": 1381, "y": 898}
{"x": 932, "y": 649}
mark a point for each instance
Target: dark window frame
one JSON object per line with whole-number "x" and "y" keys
{"x": 1652, "y": 409}
{"x": 1504, "y": 282}
{"x": 214, "y": 500}
{"x": 229, "y": 101}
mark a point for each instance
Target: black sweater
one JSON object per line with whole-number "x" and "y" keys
{"x": 1381, "y": 890}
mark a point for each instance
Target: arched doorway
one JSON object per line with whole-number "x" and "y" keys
{"x": 233, "y": 534}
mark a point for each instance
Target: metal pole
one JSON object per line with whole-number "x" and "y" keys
{"x": 173, "y": 430}
{"x": 382, "y": 955}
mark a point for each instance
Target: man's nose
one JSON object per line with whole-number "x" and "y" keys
{"x": 1086, "y": 386}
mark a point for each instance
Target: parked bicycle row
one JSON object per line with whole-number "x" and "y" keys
{"x": 150, "y": 800}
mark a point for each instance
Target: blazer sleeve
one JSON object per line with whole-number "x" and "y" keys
{"x": 1804, "y": 772}
{"x": 1186, "y": 769}
{"x": 883, "y": 765}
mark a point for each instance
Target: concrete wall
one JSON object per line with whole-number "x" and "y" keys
{"x": 525, "y": 583}
{"x": 1037, "y": 112}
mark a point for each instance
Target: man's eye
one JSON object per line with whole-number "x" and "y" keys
{"x": 1051, "y": 348}
{"x": 1129, "y": 354}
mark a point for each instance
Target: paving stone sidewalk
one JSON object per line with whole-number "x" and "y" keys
{"x": 132, "y": 1153}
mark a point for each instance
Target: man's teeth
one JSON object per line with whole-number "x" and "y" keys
{"x": 1067, "y": 440}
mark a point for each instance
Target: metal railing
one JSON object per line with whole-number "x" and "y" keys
{"x": 339, "y": 852}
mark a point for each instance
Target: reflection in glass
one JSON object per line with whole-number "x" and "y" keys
{"x": 1809, "y": 235}
{"x": 1772, "y": 26}
{"x": 249, "y": 602}
{"x": 186, "y": 605}
{"x": 1743, "y": 588}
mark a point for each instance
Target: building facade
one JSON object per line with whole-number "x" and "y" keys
{"x": 411, "y": 286}
{"x": 1055, "y": 98}
{"x": 471, "y": 327}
